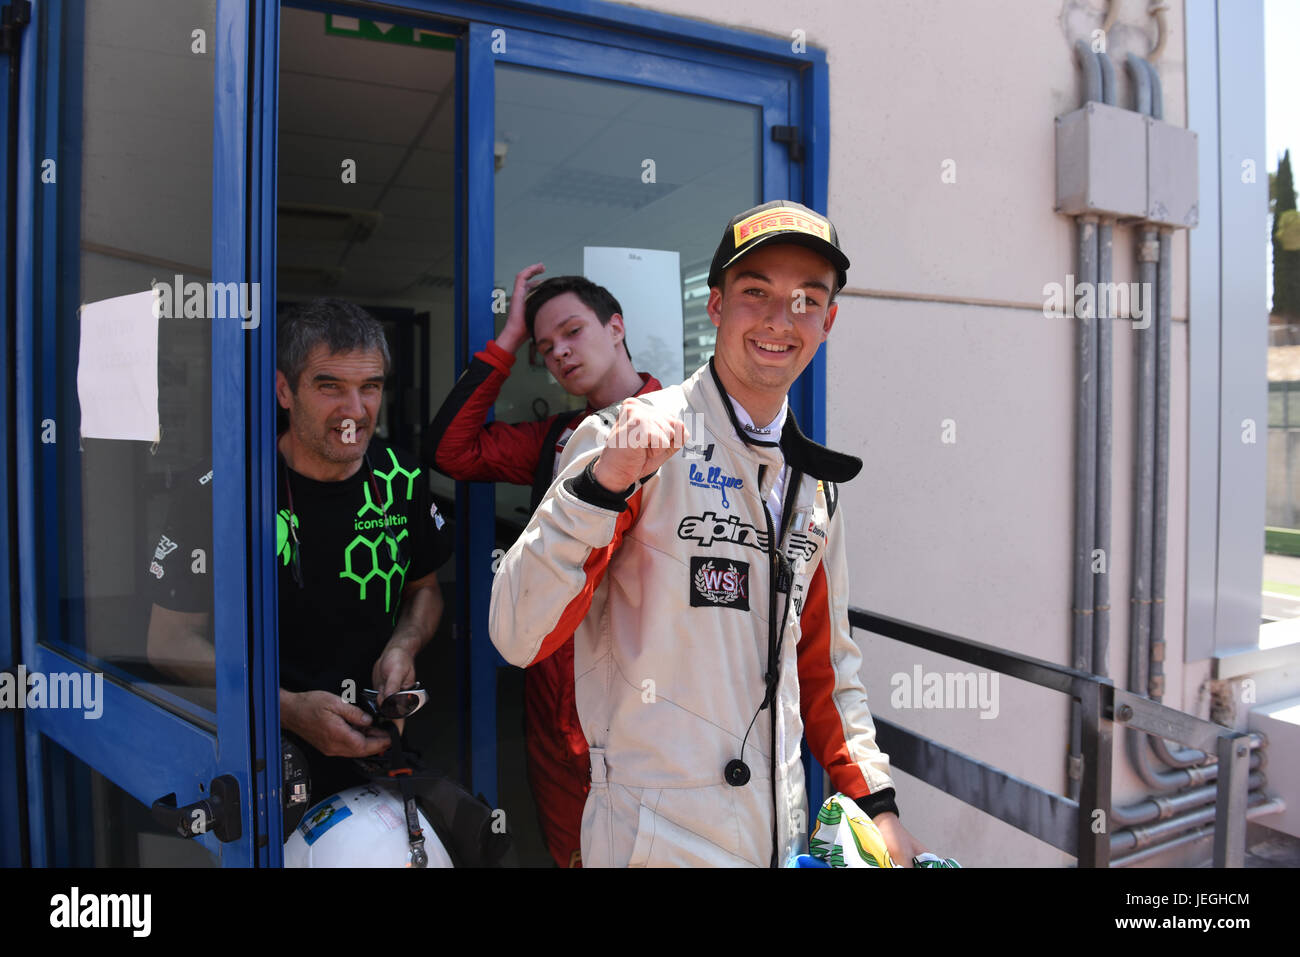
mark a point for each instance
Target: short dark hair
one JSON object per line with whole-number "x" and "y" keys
{"x": 596, "y": 298}
{"x": 341, "y": 325}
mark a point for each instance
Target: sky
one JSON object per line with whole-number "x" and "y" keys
{"x": 1282, "y": 78}
{"x": 1281, "y": 93}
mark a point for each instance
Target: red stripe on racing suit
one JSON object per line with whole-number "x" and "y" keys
{"x": 594, "y": 568}
{"x": 822, "y": 723}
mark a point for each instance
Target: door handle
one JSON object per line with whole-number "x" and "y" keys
{"x": 218, "y": 812}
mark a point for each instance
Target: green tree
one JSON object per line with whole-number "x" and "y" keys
{"x": 1286, "y": 243}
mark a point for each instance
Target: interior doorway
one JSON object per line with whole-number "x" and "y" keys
{"x": 366, "y": 180}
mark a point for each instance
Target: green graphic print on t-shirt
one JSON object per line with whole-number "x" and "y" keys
{"x": 362, "y": 556}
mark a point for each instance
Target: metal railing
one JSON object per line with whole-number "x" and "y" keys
{"x": 1080, "y": 828}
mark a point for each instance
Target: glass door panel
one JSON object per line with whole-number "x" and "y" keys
{"x": 590, "y": 173}
{"x": 127, "y": 521}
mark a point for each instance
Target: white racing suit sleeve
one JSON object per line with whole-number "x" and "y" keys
{"x": 544, "y": 585}
{"x": 832, "y": 700}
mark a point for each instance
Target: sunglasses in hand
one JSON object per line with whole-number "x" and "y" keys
{"x": 399, "y": 704}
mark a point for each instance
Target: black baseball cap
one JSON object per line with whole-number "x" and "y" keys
{"x": 780, "y": 221}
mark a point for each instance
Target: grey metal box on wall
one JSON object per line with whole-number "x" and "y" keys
{"x": 1171, "y": 175}
{"x": 1101, "y": 162}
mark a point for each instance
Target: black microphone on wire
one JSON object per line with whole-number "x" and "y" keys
{"x": 737, "y": 773}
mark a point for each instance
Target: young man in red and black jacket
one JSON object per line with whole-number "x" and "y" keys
{"x": 578, "y": 329}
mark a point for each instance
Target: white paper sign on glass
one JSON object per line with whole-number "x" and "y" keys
{"x": 648, "y": 285}
{"x": 117, "y": 368}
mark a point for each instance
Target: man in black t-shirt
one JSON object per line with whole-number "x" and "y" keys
{"x": 358, "y": 539}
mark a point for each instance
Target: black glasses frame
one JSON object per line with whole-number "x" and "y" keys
{"x": 399, "y": 704}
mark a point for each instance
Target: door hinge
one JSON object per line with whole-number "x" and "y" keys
{"x": 13, "y": 17}
{"x": 789, "y": 135}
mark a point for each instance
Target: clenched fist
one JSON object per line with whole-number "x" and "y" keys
{"x": 643, "y": 439}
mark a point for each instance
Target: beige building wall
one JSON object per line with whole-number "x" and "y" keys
{"x": 973, "y": 535}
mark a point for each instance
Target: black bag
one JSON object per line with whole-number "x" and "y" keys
{"x": 472, "y": 832}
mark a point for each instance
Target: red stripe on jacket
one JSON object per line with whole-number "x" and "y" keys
{"x": 595, "y": 567}
{"x": 821, "y": 720}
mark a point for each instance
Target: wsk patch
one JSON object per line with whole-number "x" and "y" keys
{"x": 719, "y": 581}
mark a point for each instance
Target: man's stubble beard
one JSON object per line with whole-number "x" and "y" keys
{"x": 773, "y": 379}
{"x": 755, "y": 376}
{"x": 319, "y": 443}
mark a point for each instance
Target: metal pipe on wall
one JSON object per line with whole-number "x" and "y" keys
{"x": 1107, "y": 71}
{"x": 1105, "y": 425}
{"x": 1144, "y": 476}
{"x": 1264, "y": 809}
{"x": 1194, "y": 776}
{"x": 1153, "y": 834}
{"x": 1160, "y": 807}
{"x": 1160, "y": 489}
{"x": 1093, "y": 453}
{"x": 1085, "y": 447}
{"x": 1183, "y": 757}
{"x": 1105, "y": 441}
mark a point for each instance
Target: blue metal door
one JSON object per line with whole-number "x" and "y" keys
{"x": 149, "y": 647}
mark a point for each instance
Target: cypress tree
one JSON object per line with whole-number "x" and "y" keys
{"x": 1286, "y": 243}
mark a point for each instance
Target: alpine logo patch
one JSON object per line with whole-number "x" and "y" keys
{"x": 719, "y": 581}
{"x": 709, "y": 528}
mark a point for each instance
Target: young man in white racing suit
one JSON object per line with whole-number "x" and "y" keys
{"x": 699, "y": 559}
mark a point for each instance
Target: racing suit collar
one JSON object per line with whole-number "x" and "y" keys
{"x": 798, "y": 451}
{"x": 752, "y": 428}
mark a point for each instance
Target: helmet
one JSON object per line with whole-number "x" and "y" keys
{"x": 361, "y": 827}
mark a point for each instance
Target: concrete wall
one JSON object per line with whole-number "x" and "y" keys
{"x": 973, "y": 536}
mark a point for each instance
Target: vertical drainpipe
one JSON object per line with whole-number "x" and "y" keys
{"x": 1140, "y": 622}
{"x": 1156, "y": 677}
{"x": 1184, "y": 757}
{"x": 1140, "y": 601}
{"x": 1085, "y": 446}
{"x": 1101, "y": 578}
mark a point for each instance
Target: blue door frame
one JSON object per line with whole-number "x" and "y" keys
{"x": 586, "y": 37}
{"x": 12, "y": 802}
